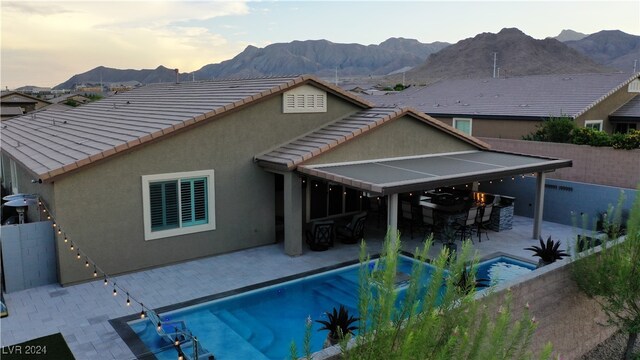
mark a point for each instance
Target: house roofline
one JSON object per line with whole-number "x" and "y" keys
{"x": 199, "y": 119}
{"x": 603, "y": 97}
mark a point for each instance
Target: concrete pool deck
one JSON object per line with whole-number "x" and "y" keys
{"x": 82, "y": 312}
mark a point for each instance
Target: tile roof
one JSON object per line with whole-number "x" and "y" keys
{"x": 629, "y": 110}
{"x": 11, "y": 110}
{"x": 526, "y": 96}
{"x": 53, "y": 143}
{"x": 329, "y": 136}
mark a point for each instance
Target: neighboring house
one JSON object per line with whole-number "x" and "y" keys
{"x": 176, "y": 171}
{"x": 628, "y": 116}
{"x": 512, "y": 107}
{"x": 13, "y": 103}
{"x": 76, "y": 98}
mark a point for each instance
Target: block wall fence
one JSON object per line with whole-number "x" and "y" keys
{"x": 566, "y": 318}
{"x": 594, "y": 165}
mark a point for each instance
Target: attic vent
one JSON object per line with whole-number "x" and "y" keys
{"x": 634, "y": 86}
{"x": 304, "y": 99}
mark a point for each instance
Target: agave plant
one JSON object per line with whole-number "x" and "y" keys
{"x": 466, "y": 282}
{"x": 339, "y": 324}
{"x": 547, "y": 252}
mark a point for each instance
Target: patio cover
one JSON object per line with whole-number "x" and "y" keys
{"x": 399, "y": 175}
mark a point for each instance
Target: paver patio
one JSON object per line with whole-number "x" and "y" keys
{"x": 81, "y": 312}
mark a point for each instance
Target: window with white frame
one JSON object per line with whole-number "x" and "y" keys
{"x": 593, "y": 124}
{"x": 178, "y": 203}
{"x": 304, "y": 99}
{"x": 463, "y": 125}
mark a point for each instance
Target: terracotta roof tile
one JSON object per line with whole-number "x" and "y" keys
{"x": 50, "y": 142}
{"x": 538, "y": 96}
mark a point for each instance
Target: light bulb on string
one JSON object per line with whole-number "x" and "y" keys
{"x": 44, "y": 210}
{"x": 71, "y": 248}
{"x": 159, "y": 326}
{"x": 65, "y": 239}
{"x": 54, "y": 224}
{"x": 115, "y": 292}
{"x": 48, "y": 217}
{"x": 106, "y": 281}
{"x": 142, "y": 313}
{"x": 78, "y": 254}
{"x": 128, "y": 301}
{"x": 95, "y": 271}
{"x": 86, "y": 263}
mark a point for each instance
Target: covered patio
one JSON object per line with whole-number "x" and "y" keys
{"x": 425, "y": 174}
{"x": 383, "y": 153}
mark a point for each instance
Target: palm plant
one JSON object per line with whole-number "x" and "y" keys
{"x": 339, "y": 324}
{"x": 547, "y": 252}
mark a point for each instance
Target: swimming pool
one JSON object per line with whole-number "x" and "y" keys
{"x": 262, "y": 323}
{"x": 502, "y": 268}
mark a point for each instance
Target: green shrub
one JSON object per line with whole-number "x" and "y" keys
{"x": 627, "y": 141}
{"x": 590, "y": 136}
{"x": 553, "y": 129}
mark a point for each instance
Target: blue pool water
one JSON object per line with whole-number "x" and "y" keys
{"x": 502, "y": 268}
{"x": 261, "y": 324}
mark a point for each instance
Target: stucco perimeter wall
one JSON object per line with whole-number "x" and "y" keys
{"x": 100, "y": 207}
{"x": 566, "y": 317}
{"x": 595, "y": 165}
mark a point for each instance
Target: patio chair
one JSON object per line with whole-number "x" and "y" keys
{"x": 320, "y": 237}
{"x": 483, "y": 220}
{"x": 408, "y": 216}
{"x": 466, "y": 226}
{"x": 354, "y": 230}
{"x": 377, "y": 206}
{"x": 429, "y": 221}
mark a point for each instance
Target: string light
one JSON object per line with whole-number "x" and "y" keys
{"x": 142, "y": 313}
{"x": 159, "y": 326}
{"x": 513, "y": 178}
{"x": 490, "y": 181}
{"x": 88, "y": 263}
{"x": 177, "y": 341}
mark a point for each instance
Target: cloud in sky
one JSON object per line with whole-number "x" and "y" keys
{"x": 40, "y": 38}
{"x": 46, "y": 42}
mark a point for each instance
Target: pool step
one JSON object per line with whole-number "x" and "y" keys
{"x": 329, "y": 293}
{"x": 221, "y": 339}
{"x": 262, "y": 336}
{"x": 245, "y": 325}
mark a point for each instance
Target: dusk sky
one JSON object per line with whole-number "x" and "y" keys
{"x": 44, "y": 43}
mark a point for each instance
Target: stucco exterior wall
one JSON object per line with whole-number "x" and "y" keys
{"x": 505, "y": 129}
{"x": 603, "y": 109}
{"x": 595, "y": 165}
{"x": 101, "y": 206}
{"x": 405, "y": 136}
